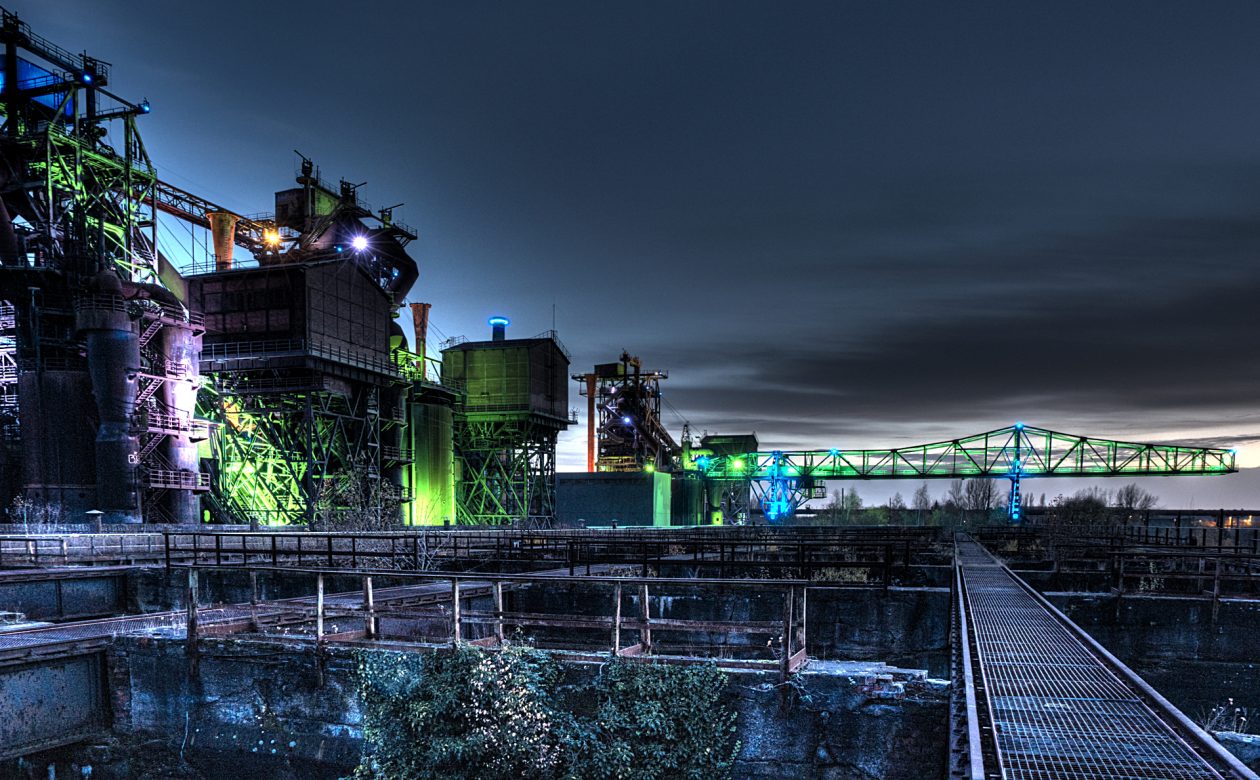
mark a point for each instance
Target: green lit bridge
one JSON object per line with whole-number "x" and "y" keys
{"x": 784, "y": 480}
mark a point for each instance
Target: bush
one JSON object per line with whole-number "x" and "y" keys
{"x": 465, "y": 713}
{"x": 660, "y": 721}
{"x": 470, "y": 713}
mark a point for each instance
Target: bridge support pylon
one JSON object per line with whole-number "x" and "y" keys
{"x": 1015, "y": 506}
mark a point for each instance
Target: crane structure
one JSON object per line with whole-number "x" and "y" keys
{"x": 782, "y": 481}
{"x": 624, "y": 431}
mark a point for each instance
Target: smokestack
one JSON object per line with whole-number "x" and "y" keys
{"x": 498, "y": 328}
{"x": 420, "y": 319}
{"x": 223, "y": 231}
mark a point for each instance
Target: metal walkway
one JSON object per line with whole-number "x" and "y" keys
{"x": 1043, "y": 700}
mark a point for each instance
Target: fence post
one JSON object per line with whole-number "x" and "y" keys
{"x": 455, "y": 619}
{"x": 319, "y": 607}
{"x": 616, "y": 626}
{"x": 800, "y": 636}
{"x": 1216, "y": 587}
{"x": 369, "y": 609}
{"x": 785, "y": 662}
{"x": 190, "y": 629}
{"x": 498, "y": 610}
{"x": 253, "y": 587}
{"x": 645, "y": 614}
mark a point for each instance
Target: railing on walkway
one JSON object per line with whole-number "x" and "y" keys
{"x": 865, "y": 558}
{"x": 356, "y": 617}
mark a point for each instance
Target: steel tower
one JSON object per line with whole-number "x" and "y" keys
{"x": 98, "y": 354}
{"x": 624, "y": 430}
{"x": 511, "y": 409}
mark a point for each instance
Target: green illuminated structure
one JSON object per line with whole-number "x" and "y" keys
{"x": 784, "y": 480}
{"x": 513, "y": 405}
{"x": 97, "y": 352}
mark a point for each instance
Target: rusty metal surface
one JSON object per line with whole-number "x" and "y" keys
{"x": 51, "y": 703}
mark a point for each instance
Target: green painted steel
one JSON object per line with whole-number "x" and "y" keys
{"x": 1017, "y": 450}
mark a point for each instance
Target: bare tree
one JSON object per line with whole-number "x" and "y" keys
{"x": 1135, "y": 498}
{"x": 981, "y": 494}
{"x": 352, "y": 507}
{"x": 954, "y": 498}
{"x": 896, "y": 508}
{"x": 35, "y": 513}
{"x": 922, "y": 499}
{"x": 833, "y": 511}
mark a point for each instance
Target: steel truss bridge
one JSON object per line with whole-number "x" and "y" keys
{"x": 783, "y": 481}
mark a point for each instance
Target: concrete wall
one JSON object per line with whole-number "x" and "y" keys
{"x": 629, "y": 499}
{"x": 1175, "y": 644}
{"x": 277, "y": 709}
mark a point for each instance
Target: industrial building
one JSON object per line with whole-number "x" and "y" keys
{"x": 512, "y": 405}
{"x": 268, "y": 383}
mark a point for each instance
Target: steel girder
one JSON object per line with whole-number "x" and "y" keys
{"x": 506, "y": 469}
{"x": 786, "y": 479}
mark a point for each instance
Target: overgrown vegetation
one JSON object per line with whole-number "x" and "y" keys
{"x": 1225, "y": 717}
{"x": 470, "y": 713}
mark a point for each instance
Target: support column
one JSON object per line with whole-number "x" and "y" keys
{"x": 1015, "y": 507}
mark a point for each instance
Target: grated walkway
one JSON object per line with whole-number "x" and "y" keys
{"x": 1057, "y": 708}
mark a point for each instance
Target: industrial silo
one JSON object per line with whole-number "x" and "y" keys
{"x": 432, "y": 475}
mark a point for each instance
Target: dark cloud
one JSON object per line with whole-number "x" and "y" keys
{"x": 834, "y": 222}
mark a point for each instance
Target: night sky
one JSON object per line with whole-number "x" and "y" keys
{"x": 839, "y": 224}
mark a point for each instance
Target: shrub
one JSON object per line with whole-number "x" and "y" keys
{"x": 661, "y": 721}
{"x": 465, "y": 713}
{"x": 470, "y": 713}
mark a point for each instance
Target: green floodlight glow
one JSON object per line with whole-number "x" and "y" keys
{"x": 650, "y": 468}
{"x": 1017, "y": 449}
{"x": 1015, "y": 452}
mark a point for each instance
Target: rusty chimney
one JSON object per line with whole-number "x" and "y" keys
{"x": 420, "y": 319}
{"x": 223, "y": 232}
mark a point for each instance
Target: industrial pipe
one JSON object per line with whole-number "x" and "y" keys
{"x": 223, "y": 232}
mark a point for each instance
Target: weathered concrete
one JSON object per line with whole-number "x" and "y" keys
{"x": 1174, "y": 643}
{"x": 1245, "y": 746}
{"x": 277, "y": 709}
